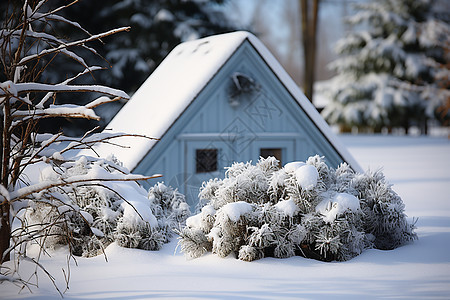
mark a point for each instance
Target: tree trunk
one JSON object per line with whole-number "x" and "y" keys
{"x": 406, "y": 126}
{"x": 309, "y": 38}
{"x": 424, "y": 129}
{"x": 5, "y": 229}
{"x": 5, "y": 232}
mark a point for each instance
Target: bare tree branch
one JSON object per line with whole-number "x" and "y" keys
{"x": 71, "y": 44}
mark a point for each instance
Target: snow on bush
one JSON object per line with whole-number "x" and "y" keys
{"x": 307, "y": 176}
{"x": 169, "y": 207}
{"x": 100, "y": 213}
{"x": 304, "y": 208}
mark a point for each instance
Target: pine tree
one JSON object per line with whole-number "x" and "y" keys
{"x": 388, "y": 71}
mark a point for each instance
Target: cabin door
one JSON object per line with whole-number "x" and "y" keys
{"x": 203, "y": 161}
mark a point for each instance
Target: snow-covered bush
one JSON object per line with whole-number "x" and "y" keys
{"x": 169, "y": 208}
{"x": 98, "y": 214}
{"x": 304, "y": 208}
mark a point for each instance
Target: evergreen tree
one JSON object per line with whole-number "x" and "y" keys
{"x": 389, "y": 71}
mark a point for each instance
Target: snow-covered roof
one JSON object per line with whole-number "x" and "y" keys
{"x": 177, "y": 81}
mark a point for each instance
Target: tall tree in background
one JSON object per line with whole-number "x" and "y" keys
{"x": 309, "y": 30}
{"x": 390, "y": 72}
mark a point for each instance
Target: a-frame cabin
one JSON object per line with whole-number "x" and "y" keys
{"x": 212, "y": 102}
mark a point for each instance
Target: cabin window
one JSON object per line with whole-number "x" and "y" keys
{"x": 206, "y": 160}
{"x": 275, "y": 152}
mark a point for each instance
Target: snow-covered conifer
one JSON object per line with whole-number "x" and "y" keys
{"x": 97, "y": 214}
{"x": 303, "y": 185}
{"x": 342, "y": 179}
{"x": 228, "y": 232}
{"x": 387, "y": 71}
{"x": 141, "y": 235}
{"x": 249, "y": 253}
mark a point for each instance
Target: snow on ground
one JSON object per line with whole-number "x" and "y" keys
{"x": 419, "y": 168}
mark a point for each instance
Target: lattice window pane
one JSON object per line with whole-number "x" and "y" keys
{"x": 206, "y": 160}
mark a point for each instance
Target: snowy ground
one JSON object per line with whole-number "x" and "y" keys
{"x": 418, "y": 167}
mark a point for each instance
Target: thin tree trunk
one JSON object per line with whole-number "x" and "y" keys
{"x": 5, "y": 231}
{"x": 406, "y": 126}
{"x": 5, "y": 227}
{"x": 309, "y": 38}
{"x": 305, "y": 40}
{"x": 424, "y": 130}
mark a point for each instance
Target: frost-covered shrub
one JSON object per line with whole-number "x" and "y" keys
{"x": 101, "y": 213}
{"x": 242, "y": 181}
{"x": 195, "y": 242}
{"x": 169, "y": 207}
{"x": 383, "y": 210}
{"x": 231, "y": 220}
{"x": 141, "y": 235}
{"x": 304, "y": 208}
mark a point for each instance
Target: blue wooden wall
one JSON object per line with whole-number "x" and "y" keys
{"x": 266, "y": 117}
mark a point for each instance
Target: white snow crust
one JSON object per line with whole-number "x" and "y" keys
{"x": 293, "y": 166}
{"x": 196, "y": 220}
{"x": 307, "y": 176}
{"x": 235, "y": 210}
{"x": 167, "y": 92}
{"x": 208, "y": 210}
{"x": 137, "y": 210}
{"x": 288, "y": 207}
{"x": 87, "y": 216}
{"x": 336, "y": 206}
{"x": 97, "y": 232}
